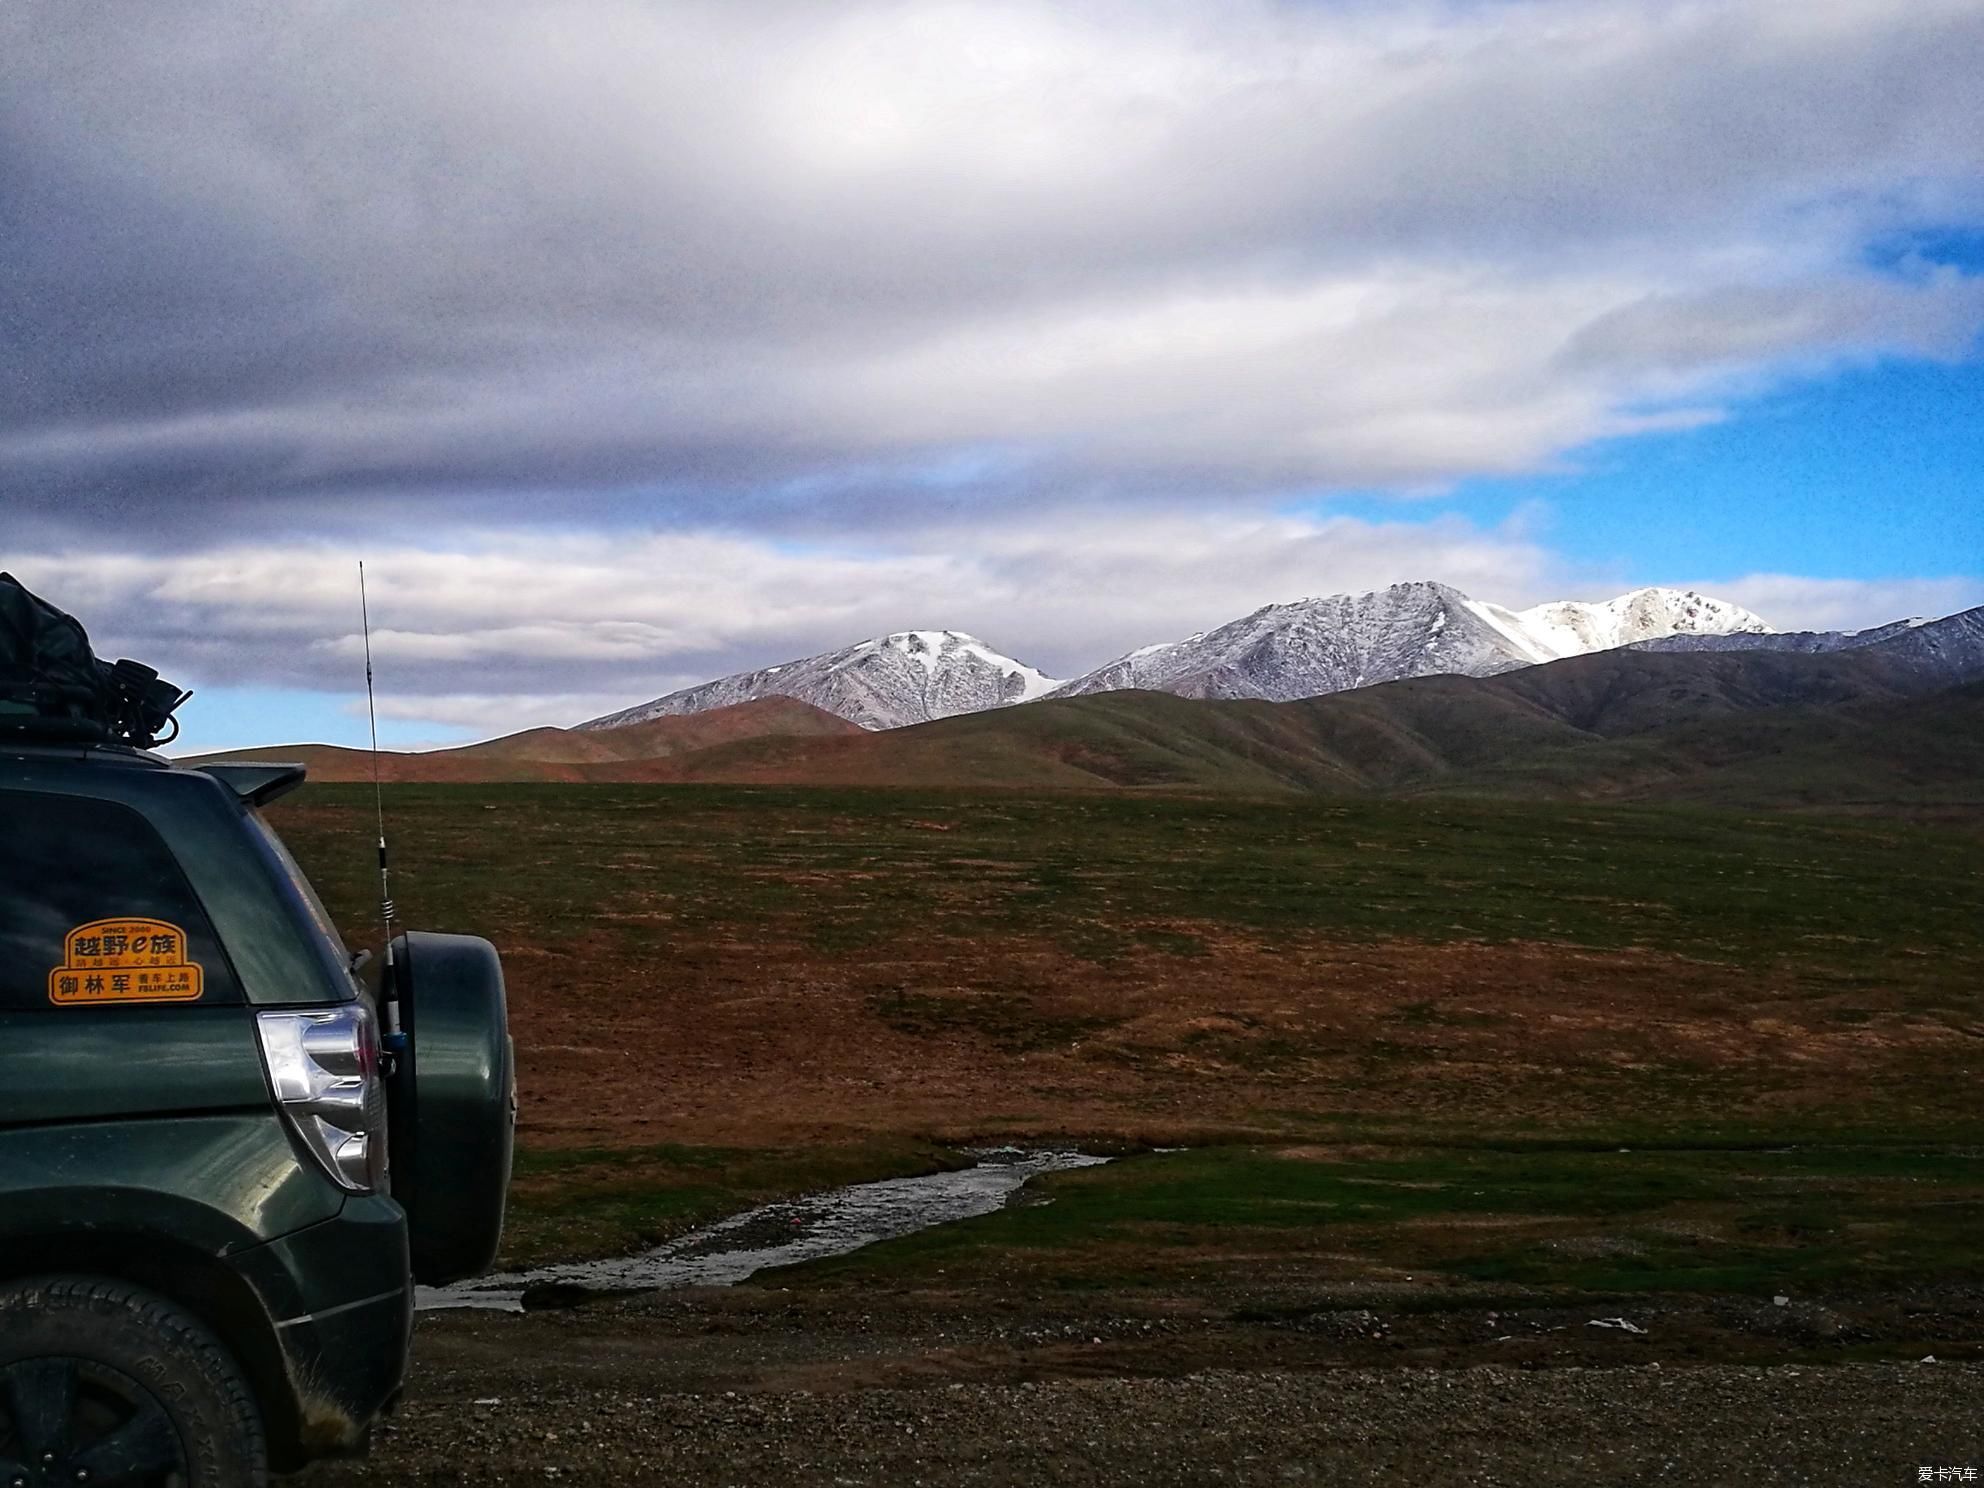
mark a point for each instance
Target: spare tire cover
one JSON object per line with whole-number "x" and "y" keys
{"x": 453, "y": 1103}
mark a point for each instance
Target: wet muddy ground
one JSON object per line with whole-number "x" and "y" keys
{"x": 787, "y": 1233}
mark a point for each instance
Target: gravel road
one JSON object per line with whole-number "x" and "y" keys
{"x": 1854, "y": 1424}
{"x": 693, "y": 1391}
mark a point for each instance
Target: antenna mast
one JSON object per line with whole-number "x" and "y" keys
{"x": 389, "y": 982}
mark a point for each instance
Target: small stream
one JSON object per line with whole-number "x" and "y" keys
{"x": 783, "y": 1234}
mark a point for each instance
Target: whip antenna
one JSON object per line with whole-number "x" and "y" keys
{"x": 389, "y": 982}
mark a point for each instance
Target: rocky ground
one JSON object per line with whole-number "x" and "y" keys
{"x": 758, "y": 1385}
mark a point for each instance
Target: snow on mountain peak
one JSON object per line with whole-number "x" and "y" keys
{"x": 1280, "y": 652}
{"x": 908, "y": 676}
{"x": 1569, "y": 627}
{"x": 1313, "y": 646}
{"x": 937, "y": 649}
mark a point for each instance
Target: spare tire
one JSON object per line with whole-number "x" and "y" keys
{"x": 453, "y": 1103}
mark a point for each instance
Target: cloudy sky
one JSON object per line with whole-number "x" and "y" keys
{"x": 634, "y": 343}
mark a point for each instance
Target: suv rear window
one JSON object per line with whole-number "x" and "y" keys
{"x": 95, "y": 911}
{"x": 300, "y": 887}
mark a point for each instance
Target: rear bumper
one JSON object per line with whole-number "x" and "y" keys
{"x": 341, "y": 1296}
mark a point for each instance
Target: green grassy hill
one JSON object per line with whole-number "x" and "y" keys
{"x": 1926, "y": 751}
{"x": 1744, "y": 729}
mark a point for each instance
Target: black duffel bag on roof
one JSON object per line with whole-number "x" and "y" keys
{"x": 53, "y": 686}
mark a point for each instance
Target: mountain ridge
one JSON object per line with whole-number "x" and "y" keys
{"x": 1312, "y": 647}
{"x": 1893, "y": 722}
{"x": 908, "y": 676}
{"x": 1279, "y": 652}
{"x": 1618, "y": 724}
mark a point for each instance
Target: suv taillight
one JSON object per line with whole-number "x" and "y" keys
{"x": 324, "y": 1066}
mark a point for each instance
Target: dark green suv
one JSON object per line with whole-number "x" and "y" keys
{"x": 218, "y": 1180}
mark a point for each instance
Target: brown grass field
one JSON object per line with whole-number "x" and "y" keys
{"x": 1462, "y": 1086}
{"x": 725, "y": 994}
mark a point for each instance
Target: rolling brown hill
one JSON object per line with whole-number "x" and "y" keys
{"x": 1759, "y": 728}
{"x": 1742, "y": 728}
{"x": 566, "y": 754}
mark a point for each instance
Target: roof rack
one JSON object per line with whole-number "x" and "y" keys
{"x": 54, "y": 689}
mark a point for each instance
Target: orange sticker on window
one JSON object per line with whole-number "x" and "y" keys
{"x": 125, "y": 961}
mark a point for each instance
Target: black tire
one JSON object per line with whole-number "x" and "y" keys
{"x": 116, "y": 1381}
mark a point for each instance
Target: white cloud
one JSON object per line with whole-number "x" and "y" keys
{"x": 1793, "y": 603}
{"x": 512, "y": 631}
{"x": 487, "y": 715}
{"x": 554, "y": 630}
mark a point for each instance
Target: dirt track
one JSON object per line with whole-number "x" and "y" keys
{"x": 754, "y": 1387}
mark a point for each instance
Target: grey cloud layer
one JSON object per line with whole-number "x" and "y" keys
{"x": 261, "y": 257}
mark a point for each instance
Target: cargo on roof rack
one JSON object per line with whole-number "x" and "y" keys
{"x": 53, "y": 686}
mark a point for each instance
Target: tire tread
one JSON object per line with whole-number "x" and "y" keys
{"x": 190, "y": 1342}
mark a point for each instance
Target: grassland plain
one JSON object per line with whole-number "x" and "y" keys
{"x": 1405, "y": 1038}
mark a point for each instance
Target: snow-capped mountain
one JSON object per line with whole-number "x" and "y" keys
{"x": 912, "y": 676}
{"x": 1571, "y": 627}
{"x": 1803, "y": 642}
{"x": 1314, "y": 646}
{"x": 1938, "y": 652}
{"x": 1280, "y": 652}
